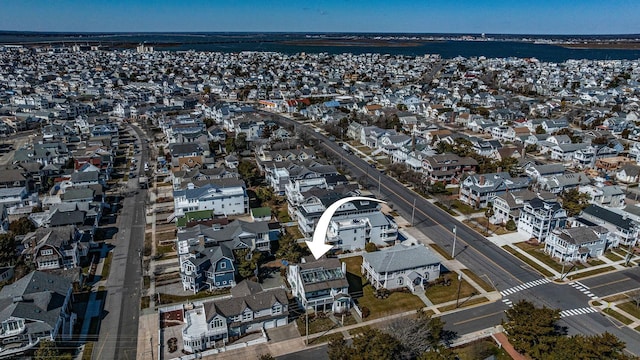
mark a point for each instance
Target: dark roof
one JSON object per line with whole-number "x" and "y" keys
{"x": 609, "y": 216}
{"x": 59, "y": 218}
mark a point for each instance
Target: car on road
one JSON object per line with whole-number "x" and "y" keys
{"x": 332, "y": 138}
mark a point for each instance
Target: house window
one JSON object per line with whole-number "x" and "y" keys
{"x": 276, "y": 309}
{"x": 223, "y": 265}
{"x": 246, "y": 316}
{"x": 399, "y": 281}
{"x": 47, "y": 252}
{"x": 217, "y": 323}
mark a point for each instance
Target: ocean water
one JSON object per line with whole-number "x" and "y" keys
{"x": 316, "y": 43}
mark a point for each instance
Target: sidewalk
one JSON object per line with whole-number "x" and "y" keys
{"x": 501, "y": 339}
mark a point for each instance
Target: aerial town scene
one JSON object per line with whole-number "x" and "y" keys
{"x": 260, "y": 188}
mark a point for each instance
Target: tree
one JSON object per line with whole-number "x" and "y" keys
{"x": 266, "y": 357}
{"x": 540, "y": 130}
{"x": 249, "y": 171}
{"x": 241, "y": 141}
{"x": 264, "y": 194}
{"x": 532, "y": 330}
{"x": 289, "y": 249}
{"x": 7, "y": 249}
{"x": 22, "y": 226}
{"x": 419, "y": 335}
{"x": 371, "y": 344}
{"x": 247, "y": 262}
{"x": 230, "y": 145}
{"x": 370, "y": 247}
{"x": 574, "y": 201}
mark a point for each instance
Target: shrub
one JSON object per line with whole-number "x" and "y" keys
{"x": 365, "y": 312}
{"x": 511, "y": 225}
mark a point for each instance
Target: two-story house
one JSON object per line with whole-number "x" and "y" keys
{"x": 55, "y": 247}
{"x": 446, "y": 167}
{"x": 624, "y": 230}
{"x": 320, "y": 284}
{"x": 479, "y": 190}
{"x": 401, "y": 266}
{"x": 577, "y": 244}
{"x": 250, "y": 309}
{"x": 223, "y": 197}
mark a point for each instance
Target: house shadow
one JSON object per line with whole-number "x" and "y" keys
{"x": 355, "y": 285}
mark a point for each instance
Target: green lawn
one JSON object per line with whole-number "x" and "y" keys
{"x": 88, "y": 351}
{"x": 443, "y": 207}
{"x": 537, "y": 251}
{"x": 526, "y": 260}
{"x": 439, "y": 294}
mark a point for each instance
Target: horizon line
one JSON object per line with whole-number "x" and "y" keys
{"x": 61, "y": 32}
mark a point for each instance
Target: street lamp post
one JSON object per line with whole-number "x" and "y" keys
{"x": 453, "y": 250}
{"x": 379, "y": 182}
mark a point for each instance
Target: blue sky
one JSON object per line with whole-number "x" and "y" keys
{"x": 418, "y": 16}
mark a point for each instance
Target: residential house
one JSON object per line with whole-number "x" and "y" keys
{"x": 185, "y": 156}
{"x": 60, "y": 247}
{"x": 320, "y": 284}
{"x": 507, "y": 206}
{"x": 539, "y": 217}
{"x": 401, "y": 266}
{"x": 34, "y": 308}
{"x": 629, "y": 174}
{"x": 559, "y": 183}
{"x": 250, "y": 309}
{"x": 605, "y": 195}
{"x": 577, "y": 244}
{"x": 446, "y": 167}
{"x": 224, "y": 197}
{"x": 479, "y": 190}
{"x": 623, "y": 229}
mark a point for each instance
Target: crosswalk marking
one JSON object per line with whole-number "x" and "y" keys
{"x": 524, "y": 286}
{"x": 578, "y": 311}
{"x": 507, "y": 302}
{"x": 583, "y": 289}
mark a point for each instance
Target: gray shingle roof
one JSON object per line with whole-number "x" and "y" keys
{"x": 400, "y": 257}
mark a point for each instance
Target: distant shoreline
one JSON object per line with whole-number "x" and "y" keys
{"x": 604, "y": 46}
{"x": 359, "y": 42}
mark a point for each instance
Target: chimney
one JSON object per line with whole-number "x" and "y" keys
{"x": 481, "y": 180}
{"x": 344, "y": 268}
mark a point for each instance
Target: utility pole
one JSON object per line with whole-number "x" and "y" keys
{"x": 453, "y": 250}
{"x": 306, "y": 312}
{"x": 379, "y": 193}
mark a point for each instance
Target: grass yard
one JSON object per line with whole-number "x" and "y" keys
{"x": 439, "y": 294}
{"x": 164, "y": 249}
{"x": 481, "y": 349}
{"x": 316, "y": 324}
{"x": 146, "y": 281}
{"x": 594, "y": 262}
{"x": 88, "y": 351}
{"x": 613, "y": 256}
{"x": 441, "y": 251}
{"x": 478, "y": 280}
{"x": 616, "y": 297}
{"x": 397, "y": 302}
{"x": 537, "y": 251}
{"x": 592, "y": 272}
{"x": 470, "y": 302}
{"x": 144, "y": 302}
{"x": 631, "y": 308}
{"x": 464, "y": 208}
{"x": 171, "y": 299}
{"x": 526, "y": 260}
{"x": 164, "y": 236}
{"x": 443, "y": 207}
{"x": 616, "y": 315}
{"x": 106, "y": 267}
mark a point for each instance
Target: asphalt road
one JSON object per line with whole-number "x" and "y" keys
{"x": 472, "y": 249}
{"x": 119, "y": 328}
{"x": 484, "y": 258}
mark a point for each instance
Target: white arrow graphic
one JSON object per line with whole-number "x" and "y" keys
{"x": 317, "y": 245}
